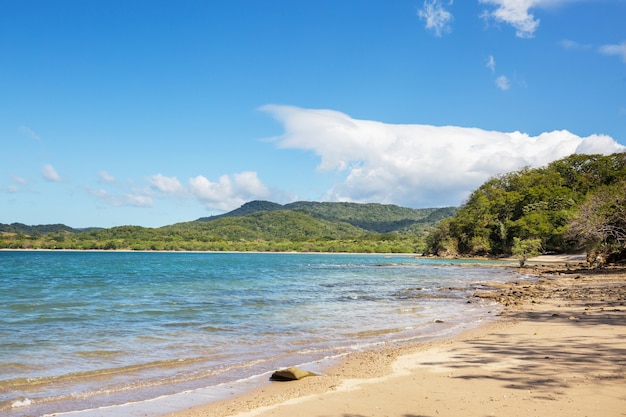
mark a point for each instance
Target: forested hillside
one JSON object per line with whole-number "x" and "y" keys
{"x": 573, "y": 204}
{"x": 39, "y": 229}
{"x": 260, "y": 226}
{"x": 377, "y": 218}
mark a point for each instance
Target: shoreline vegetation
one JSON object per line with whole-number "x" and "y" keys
{"x": 575, "y": 204}
{"x": 556, "y": 348}
{"x": 257, "y": 226}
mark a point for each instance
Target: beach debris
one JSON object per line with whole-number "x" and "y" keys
{"x": 291, "y": 374}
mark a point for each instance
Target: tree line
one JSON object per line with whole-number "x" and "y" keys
{"x": 576, "y": 203}
{"x": 256, "y": 226}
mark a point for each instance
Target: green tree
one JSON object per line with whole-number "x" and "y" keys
{"x": 525, "y": 248}
{"x": 529, "y": 204}
{"x": 600, "y": 224}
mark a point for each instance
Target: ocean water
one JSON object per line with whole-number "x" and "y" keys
{"x": 144, "y": 333}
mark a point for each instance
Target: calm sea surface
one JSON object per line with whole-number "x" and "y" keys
{"x": 92, "y": 330}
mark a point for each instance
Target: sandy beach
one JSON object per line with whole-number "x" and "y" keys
{"x": 558, "y": 348}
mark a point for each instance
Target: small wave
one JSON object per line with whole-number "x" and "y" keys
{"x": 359, "y": 297}
{"x": 100, "y": 374}
{"x": 411, "y": 310}
{"x": 22, "y": 402}
{"x": 182, "y": 324}
{"x": 377, "y": 332}
{"x": 215, "y": 329}
{"x": 99, "y": 353}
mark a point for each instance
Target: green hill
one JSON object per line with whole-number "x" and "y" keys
{"x": 267, "y": 225}
{"x": 373, "y": 217}
{"x": 248, "y": 208}
{"x": 260, "y": 226}
{"x": 38, "y": 229}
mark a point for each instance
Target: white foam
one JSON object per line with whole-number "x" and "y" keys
{"x": 22, "y": 402}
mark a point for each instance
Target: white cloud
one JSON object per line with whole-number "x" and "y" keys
{"x": 419, "y": 165}
{"x": 573, "y": 45}
{"x": 491, "y": 64}
{"x": 130, "y": 199}
{"x": 15, "y": 188}
{"x": 618, "y": 49}
{"x": 249, "y": 185}
{"x": 503, "y": 83}
{"x": 50, "y": 174}
{"x": 137, "y": 200}
{"x": 167, "y": 185}
{"x": 19, "y": 180}
{"x": 106, "y": 177}
{"x": 437, "y": 18}
{"x": 227, "y": 193}
{"x": 569, "y": 44}
{"x": 515, "y": 13}
{"x": 28, "y": 131}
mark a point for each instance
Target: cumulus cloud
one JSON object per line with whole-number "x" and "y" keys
{"x": 419, "y": 165}
{"x": 106, "y": 177}
{"x": 167, "y": 185}
{"x": 437, "y": 18}
{"x": 137, "y": 200}
{"x": 129, "y": 199}
{"x": 618, "y": 49}
{"x": 50, "y": 174}
{"x": 227, "y": 193}
{"x": 503, "y": 83}
{"x": 515, "y": 13}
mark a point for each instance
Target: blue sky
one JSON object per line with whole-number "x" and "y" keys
{"x": 156, "y": 112}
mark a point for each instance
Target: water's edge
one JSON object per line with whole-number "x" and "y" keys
{"x": 184, "y": 329}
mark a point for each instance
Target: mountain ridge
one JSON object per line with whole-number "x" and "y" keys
{"x": 373, "y": 217}
{"x": 256, "y": 225}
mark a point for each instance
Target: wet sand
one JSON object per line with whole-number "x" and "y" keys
{"x": 558, "y": 348}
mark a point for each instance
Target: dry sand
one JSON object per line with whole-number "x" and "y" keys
{"x": 557, "y": 349}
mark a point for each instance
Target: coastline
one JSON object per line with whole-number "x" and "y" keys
{"x": 314, "y": 310}
{"x": 557, "y": 348}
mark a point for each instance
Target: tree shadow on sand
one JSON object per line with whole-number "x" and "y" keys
{"x": 528, "y": 365}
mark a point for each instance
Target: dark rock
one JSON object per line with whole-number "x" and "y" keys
{"x": 290, "y": 374}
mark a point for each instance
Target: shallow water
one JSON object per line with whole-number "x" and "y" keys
{"x": 88, "y": 330}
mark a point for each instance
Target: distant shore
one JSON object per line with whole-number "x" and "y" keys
{"x": 563, "y": 258}
{"x": 556, "y": 349}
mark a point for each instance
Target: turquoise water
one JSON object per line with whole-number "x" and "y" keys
{"x": 88, "y": 330}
